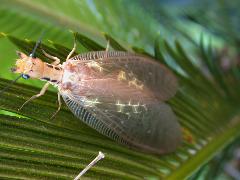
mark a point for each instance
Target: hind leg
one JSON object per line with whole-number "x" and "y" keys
{"x": 59, "y": 105}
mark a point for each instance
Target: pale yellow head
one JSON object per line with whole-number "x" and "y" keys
{"x": 28, "y": 66}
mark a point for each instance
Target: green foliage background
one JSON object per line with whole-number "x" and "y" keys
{"x": 34, "y": 147}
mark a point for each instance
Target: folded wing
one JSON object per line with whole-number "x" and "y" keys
{"x": 122, "y": 96}
{"x": 151, "y": 128}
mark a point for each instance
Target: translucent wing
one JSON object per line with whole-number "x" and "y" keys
{"x": 123, "y": 68}
{"x": 152, "y": 128}
{"x": 121, "y": 95}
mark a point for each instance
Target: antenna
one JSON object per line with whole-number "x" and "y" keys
{"x": 31, "y": 55}
{"x": 7, "y": 87}
{"x": 37, "y": 44}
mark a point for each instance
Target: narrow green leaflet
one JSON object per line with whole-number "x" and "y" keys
{"x": 35, "y": 146}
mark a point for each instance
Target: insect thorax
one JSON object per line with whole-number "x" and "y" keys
{"x": 52, "y": 73}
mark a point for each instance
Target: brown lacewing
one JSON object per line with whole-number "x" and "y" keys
{"x": 120, "y": 94}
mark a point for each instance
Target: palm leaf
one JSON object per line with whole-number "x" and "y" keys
{"x": 35, "y": 147}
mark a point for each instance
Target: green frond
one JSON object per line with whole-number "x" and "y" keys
{"x": 33, "y": 146}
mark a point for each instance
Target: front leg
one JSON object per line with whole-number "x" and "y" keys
{"x": 56, "y": 59}
{"x": 42, "y": 92}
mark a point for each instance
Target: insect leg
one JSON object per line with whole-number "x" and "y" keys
{"x": 107, "y": 49}
{"x": 99, "y": 157}
{"x": 73, "y": 50}
{"x": 42, "y": 92}
{"x": 56, "y": 59}
{"x": 59, "y": 105}
{"x": 108, "y": 45}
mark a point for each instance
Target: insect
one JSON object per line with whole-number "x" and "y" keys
{"x": 120, "y": 94}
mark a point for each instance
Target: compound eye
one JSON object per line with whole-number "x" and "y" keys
{"x": 25, "y": 76}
